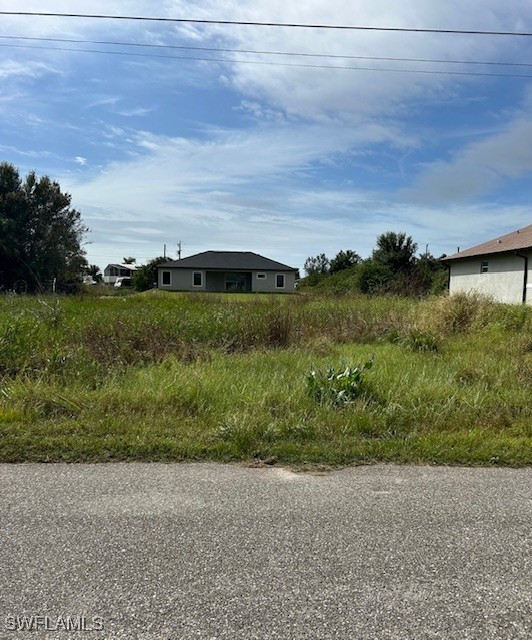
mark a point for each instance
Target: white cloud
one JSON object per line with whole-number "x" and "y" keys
{"x": 248, "y": 192}
{"x": 478, "y": 168}
{"x": 319, "y": 94}
{"x": 269, "y": 184}
{"x": 170, "y": 169}
{"x": 328, "y": 93}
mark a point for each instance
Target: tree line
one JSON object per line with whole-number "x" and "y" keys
{"x": 393, "y": 267}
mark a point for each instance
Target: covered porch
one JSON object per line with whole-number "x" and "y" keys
{"x": 230, "y": 281}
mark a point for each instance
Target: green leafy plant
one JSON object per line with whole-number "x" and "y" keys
{"x": 338, "y": 387}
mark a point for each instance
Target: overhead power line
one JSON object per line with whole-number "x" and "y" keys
{"x": 264, "y": 52}
{"x": 290, "y": 25}
{"x": 274, "y": 64}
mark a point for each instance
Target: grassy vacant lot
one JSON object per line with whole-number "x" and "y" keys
{"x": 190, "y": 376}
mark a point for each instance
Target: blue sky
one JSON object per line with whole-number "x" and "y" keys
{"x": 286, "y": 161}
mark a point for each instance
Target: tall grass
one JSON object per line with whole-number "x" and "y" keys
{"x": 162, "y": 377}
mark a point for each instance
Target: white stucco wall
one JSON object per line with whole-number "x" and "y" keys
{"x": 503, "y": 281}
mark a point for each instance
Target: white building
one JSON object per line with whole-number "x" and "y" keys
{"x": 114, "y": 271}
{"x": 500, "y": 268}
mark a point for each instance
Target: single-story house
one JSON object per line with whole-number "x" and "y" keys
{"x": 114, "y": 271}
{"x": 238, "y": 271}
{"x": 500, "y": 268}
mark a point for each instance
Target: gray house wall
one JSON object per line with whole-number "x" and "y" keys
{"x": 267, "y": 285}
{"x": 503, "y": 280}
{"x": 182, "y": 280}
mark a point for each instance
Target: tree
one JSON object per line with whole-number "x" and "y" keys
{"x": 430, "y": 274}
{"x": 344, "y": 260}
{"x": 146, "y": 275}
{"x": 396, "y": 251}
{"x": 40, "y": 234}
{"x": 318, "y": 265}
{"x": 129, "y": 260}
{"x": 93, "y": 270}
{"x": 373, "y": 276}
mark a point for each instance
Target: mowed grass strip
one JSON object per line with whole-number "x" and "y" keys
{"x": 199, "y": 377}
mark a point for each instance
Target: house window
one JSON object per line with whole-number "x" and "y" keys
{"x": 236, "y": 282}
{"x": 197, "y": 279}
{"x": 279, "y": 281}
{"x": 484, "y": 266}
{"x": 167, "y": 278}
{"x": 261, "y": 276}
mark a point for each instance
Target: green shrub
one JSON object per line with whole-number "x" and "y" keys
{"x": 373, "y": 277}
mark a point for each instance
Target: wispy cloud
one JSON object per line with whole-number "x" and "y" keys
{"x": 133, "y": 113}
{"x": 17, "y": 69}
{"x": 478, "y": 168}
{"x": 103, "y": 101}
{"x": 27, "y": 153}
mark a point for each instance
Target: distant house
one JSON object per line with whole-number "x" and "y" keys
{"x": 501, "y": 268}
{"x": 237, "y": 271}
{"x": 114, "y": 271}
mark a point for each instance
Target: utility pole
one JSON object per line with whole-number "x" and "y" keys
{"x": 179, "y": 250}
{"x": 164, "y": 251}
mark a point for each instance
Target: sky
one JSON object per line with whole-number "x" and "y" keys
{"x": 288, "y": 156}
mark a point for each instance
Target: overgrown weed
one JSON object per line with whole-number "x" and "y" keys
{"x": 225, "y": 377}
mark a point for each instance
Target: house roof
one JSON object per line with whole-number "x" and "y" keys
{"x": 227, "y": 260}
{"x": 519, "y": 240}
{"x": 131, "y": 267}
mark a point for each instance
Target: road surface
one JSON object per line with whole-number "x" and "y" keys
{"x": 206, "y": 551}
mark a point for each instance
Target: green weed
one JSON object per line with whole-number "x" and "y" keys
{"x": 338, "y": 387}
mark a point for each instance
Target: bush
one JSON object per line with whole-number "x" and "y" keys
{"x": 342, "y": 282}
{"x": 373, "y": 277}
{"x": 146, "y": 275}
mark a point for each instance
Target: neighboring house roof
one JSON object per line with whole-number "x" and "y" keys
{"x": 519, "y": 240}
{"x": 227, "y": 260}
{"x": 131, "y": 267}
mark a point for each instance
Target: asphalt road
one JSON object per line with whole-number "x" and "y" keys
{"x": 156, "y": 551}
